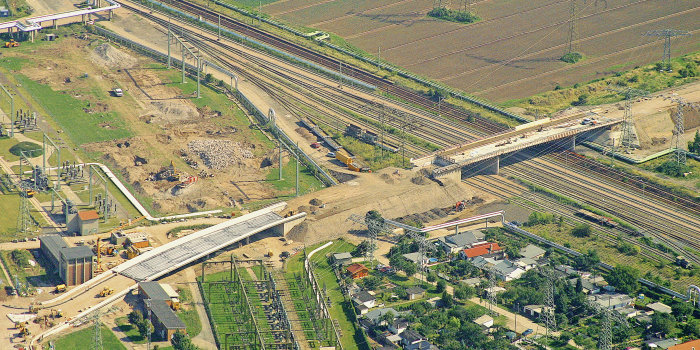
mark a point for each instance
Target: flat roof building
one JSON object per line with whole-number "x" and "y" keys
{"x": 87, "y": 222}
{"x": 74, "y": 264}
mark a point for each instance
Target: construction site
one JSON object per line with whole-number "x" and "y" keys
{"x": 190, "y": 174}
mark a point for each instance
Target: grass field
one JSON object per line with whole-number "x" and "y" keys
{"x": 130, "y": 331}
{"x": 341, "y": 310}
{"x": 83, "y": 339}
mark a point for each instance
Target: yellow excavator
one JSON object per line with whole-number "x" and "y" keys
{"x": 11, "y": 43}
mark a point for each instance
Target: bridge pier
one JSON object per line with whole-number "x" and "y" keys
{"x": 493, "y": 165}
{"x": 572, "y": 145}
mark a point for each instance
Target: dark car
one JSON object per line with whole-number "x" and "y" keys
{"x": 527, "y": 332}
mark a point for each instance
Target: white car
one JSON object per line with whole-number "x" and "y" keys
{"x": 118, "y": 92}
{"x": 331, "y": 154}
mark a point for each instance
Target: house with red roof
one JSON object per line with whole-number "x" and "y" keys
{"x": 485, "y": 250}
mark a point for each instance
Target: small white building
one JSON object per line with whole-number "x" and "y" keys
{"x": 485, "y": 321}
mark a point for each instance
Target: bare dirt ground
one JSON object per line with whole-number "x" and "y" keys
{"x": 167, "y": 126}
{"x": 46, "y": 7}
{"x": 513, "y": 51}
{"x": 653, "y": 120}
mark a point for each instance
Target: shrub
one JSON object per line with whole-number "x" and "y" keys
{"x": 572, "y": 57}
{"x": 674, "y": 169}
{"x": 536, "y": 218}
{"x": 581, "y": 230}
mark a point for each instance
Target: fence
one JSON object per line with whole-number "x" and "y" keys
{"x": 320, "y": 295}
{"x": 400, "y": 72}
{"x": 650, "y": 284}
{"x": 261, "y": 117}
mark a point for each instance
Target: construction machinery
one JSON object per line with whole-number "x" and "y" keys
{"x": 23, "y": 330}
{"x": 28, "y": 193}
{"x": 290, "y": 213}
{"x": 60, "y": 288}
{"x": 56, "y": 313}
{"x": 106, "y": 291}
{"x": 33, "y": 308}
{"x": 176, "y": 305}
{"x": 132, "y": 252}
{"x": 11, "y": 43}
{"x": 344, "y": 157}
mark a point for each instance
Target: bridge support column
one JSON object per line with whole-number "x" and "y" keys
{"x": 492, "y": 166}
{"x": 572, "y": 146}
{"x": 111, "y": 14}
{"x": 55, "y": 24}
{"x": 83, "y": 19}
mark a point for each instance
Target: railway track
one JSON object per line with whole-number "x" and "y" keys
{"x": 480, "y": 124}
{"x": 508, "y": 190}
{"x": 656, "y": 221}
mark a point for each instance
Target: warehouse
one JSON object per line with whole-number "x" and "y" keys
{"x": 74, "y": 264}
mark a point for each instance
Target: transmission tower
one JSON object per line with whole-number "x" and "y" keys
{"x": 550, "y": 320}
{"x": 374, "y": 227}
{"x": 97, "y": 344}
{"x": 574, "y": 15}
{"x": 148, "y": 329}
{"x": 667, "y": 34}
{"x": 605, "y": 341}
{"x": 23, "y": 219}
{"x": 491, "y": 295}
{"x": 679, "y": 129}
{"x": 627, "y": 122}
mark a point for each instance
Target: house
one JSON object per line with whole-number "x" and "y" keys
{"x": 494, "y": 290}
{"x": 566, "y": 269}
{"x": 535, "y": 311}
{"x": 482, "y": 263}
{"x": 342, "y": 259}
{"x": 627, "y": 311}
{"x": 689, "y": 345}
{"x": 375, "y": 316}
{"x": 454, "y": 243}
{"x": 662, "y": 343}
{"x": 357, "y": 271}
{"x": 485, "y": 321}
{"x": 486, "y": 250}
{"x": 587, "y": 286}
{"x": 87, "y": 222}
{"x": 411, "y": 337}
{"x": 415, "y": 292}
{"x": 526, "y": 263}
{"x": 365, "y": 299}
{"x": 611, "y": 301}
{"x": 660, "y": 307}
{"x": 422, "y": 345}
{"x": 506, "y": 270}
{"x": 388, "y": 339}
{"x": 415, "y": 258}
{"x": 165, "y": 321}
{"x": 532, "y": 251}
{"x": 472, "y": 282}
{"x": 398, "y": 326}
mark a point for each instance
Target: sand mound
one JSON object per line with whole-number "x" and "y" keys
{"x": 111, "y": 57}
{"x": 169, "y": 111}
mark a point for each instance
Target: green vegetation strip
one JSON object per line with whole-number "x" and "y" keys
{"x": 83, "y": 339}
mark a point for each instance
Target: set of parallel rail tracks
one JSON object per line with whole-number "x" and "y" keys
{"x": 671, "y": 226}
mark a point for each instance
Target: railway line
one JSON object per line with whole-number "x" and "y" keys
{"x": 506, "y": 189}
{"x": 658, "y": 222}
{"x": 480, "y": 124}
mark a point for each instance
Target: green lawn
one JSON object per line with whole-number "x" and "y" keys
{"x": 287, "y": 187}
{"x": 69, "y": 112}
{"x": 341, "y": 310}
{"x": 130, "y": 331}
{"x": 83, "y": 339}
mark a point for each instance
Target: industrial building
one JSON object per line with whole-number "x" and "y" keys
{"x": 165, "y": 321}
{"x": 87, "y": 222}
{"x": 153, "y": 291}
{"x": 75, "y": 265}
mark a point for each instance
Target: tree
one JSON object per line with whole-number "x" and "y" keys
{"x": 143, "y": 327}
{"x": 579, "y": 285}
{"x": 682, "y": 309}
{"x": 441, "y": 285}
{"x": 692, "y": 328}
{"x": 387, "y": 318}
{"x": 694, "y": 146}
{"x": 537, "y": 218}
{"x": 581, "y": 230}
{"x": 447, "y": 300}
{"x": 662, "y": 323}
{"x": 624, "y": 278}
{"x": 181, "y": 341}
{"x": 362, "y": 249}
{"x": 371, "y": 282}
{"x": 464, "y": 292}
{"x": 135, "y": 317}
{"x": 431, "y": 277}
{"x": 587, "y": 260}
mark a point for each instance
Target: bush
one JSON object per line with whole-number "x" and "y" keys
{"x": 674, "y": 169}
{"x": 21, "y": 258}
{"x": 627, "y": 249}
{"x": 581, "y": 230}
{"x": 536, "y": 218}
{"x": 582, "y": 100}
{"x": 690, "y": 70}
{"x": 452, "y": 15}
{"x": 572, "y": 57}
{"x": 30, "y": 149}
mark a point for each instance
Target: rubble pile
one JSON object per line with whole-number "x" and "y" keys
{"x": 218, "y": 154}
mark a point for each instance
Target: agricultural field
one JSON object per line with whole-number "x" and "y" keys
{"x": 513, "y": 51}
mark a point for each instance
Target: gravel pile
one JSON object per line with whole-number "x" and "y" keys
{"x": 218, "y": 154}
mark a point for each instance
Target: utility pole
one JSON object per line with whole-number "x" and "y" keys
{"x": 550, "y": 320}
{"x": 12, "y": 110}
{"x": 679, "y": 129}
{"x": 97, "y": 337}
{"x": 667, "y": 34}
{"x": 605, "y": 342}
{"x": 491, "y": 294}
{"x": 627, "y": 122}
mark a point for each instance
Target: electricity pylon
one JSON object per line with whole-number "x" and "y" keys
{"x": 550, "y": 320}
{"x": 679, "y": 128}
{"x": 667, "y": 34}
{"x": 627, "y": 122}
{"x": 97, "y": 343}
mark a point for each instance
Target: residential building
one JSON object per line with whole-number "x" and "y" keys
{"x": 662, "y": 343}
{"x": 165, "y": 321}
{"x": 566, "y": 269}
{"x": 689, "y": 345}
{"x": 485, "y": 321}
{"x": 532, "y": 251}
{"x": 398, "y": 326}
{"x": 472, "y": 282}
{"x": 342, "y": 259}
{"x": 415, "y": 292}
{"x": 612, "y": 301}
{"x": 526, "y": 263}
{"x": 627, "y": 311}
{"x": 494, "y": 290}
{"x": 357, "y": 271}
{"x": 454, "y": 243}
{"x": 87, "y": 222}
{"x": 415, "y": 258}
{"x": 486, "y": 250}
{"x": 660, "y": 308}
{"x": 365, "y": 299}
{"x": 535, "y": 311}
{"x": 482, "y": 263}
{"x": 588, "y": 287}
{"x": 375, "y": 316}
{"x": 75, "y": 265}
{"x": 506, "y": 270}
{"x": 411, "y": 337}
